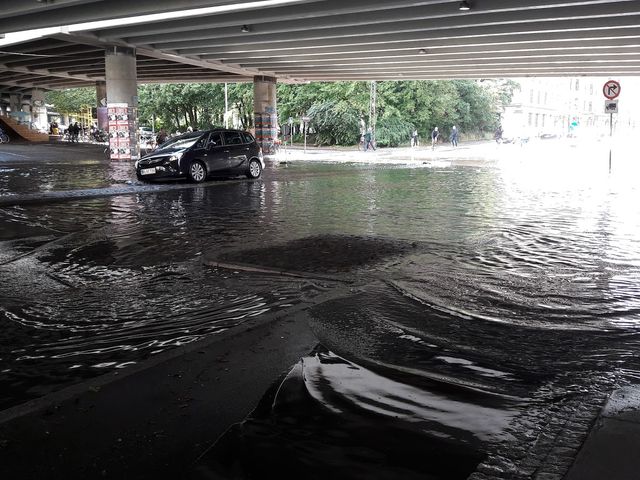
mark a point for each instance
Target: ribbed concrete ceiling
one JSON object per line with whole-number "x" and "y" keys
{"x": 327, "y": 40}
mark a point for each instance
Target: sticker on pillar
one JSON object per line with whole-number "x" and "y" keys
{"x": 119, "y": 132}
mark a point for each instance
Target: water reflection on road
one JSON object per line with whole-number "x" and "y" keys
{"x": 529, "y": 269}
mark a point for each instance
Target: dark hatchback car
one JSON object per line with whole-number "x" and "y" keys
{"x": 200, "y": 155}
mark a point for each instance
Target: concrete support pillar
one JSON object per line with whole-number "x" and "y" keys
{"x": 120, "y": 73}
{"x": 14, "y": 105}
{"x": 101, "y": 94}
{"x": 265, "y": 112}
{"x": 122, "y": 102}
{"x": 39, "y": 110}
{"x": 101, "y": 103}
{"x": 25, "y": 107}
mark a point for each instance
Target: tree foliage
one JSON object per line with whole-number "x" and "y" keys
{"x": 335, "y": 122}
{"x": 198, "y": 105}
{"x": 334, "y": 107}
{"x": 71, "y": 100}
{"x": 179, "y": 105}
{"x": 473, "y": 106}
{"x": 392, "y": 131}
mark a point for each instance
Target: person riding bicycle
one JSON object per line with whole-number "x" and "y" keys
{"x": 4, "y": 138}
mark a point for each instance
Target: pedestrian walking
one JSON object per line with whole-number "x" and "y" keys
{"x": 414, "y": 138}
{"x": 74, "y": 131}
{"x": 498, "y": 134}
{"x": 434, "y": 138}
{"x": 453, "y": 138}
{"x": 363, "y": 130}
{"x": 368, "y": 140}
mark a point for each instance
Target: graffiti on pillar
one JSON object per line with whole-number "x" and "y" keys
{"x": 266, "y": 124}
{"x": 122, "y": 131}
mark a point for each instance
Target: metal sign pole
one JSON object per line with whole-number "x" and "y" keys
{"x": 610, "y": 137}
{"x": 611, "y": 90}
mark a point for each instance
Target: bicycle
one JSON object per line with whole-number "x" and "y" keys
{"x": 4, "y": 138}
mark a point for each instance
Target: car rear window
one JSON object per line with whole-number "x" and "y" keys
{"x": 247, "y": 137}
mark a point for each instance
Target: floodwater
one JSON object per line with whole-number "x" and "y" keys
{"x": 523, "y": 287}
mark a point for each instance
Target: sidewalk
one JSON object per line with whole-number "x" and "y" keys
{"x": 443, "y": 155}
{"x": 612, "y": 449}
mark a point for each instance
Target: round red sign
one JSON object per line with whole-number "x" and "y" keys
{"x": 611, "y": 89}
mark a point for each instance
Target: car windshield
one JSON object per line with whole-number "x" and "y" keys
{"x": 182, "y": 142}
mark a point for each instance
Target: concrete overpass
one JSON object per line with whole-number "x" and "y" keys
{"x": 311, "y": 40}
{"x": 323, "y": 40}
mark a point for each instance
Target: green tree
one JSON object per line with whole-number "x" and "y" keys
{"x": 199, "y": 105}
{"x": 179, "y": 105}
{"x": 241, "y": 99}
{"x": 392, "y": 131}
{"x": 71, "y": 100}
{"x": 335, "y": 122}
{"x": 335, "y": 107}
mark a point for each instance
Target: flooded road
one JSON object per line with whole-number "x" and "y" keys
{"x": 519, "y": 288}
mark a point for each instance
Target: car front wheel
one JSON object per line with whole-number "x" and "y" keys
{"x": 255, "y": 169}
{"x": 197, "y": 172}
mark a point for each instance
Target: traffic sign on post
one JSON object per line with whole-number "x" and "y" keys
{"x": 611, "y": 89}
{"x": 611, "y": 106}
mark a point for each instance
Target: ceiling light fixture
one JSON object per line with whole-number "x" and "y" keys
{"x": 464, "y": 6}
{"x": 245, "y": 29}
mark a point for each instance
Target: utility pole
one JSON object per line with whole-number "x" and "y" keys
{"x": 372, "y": 108}
{"x": 226, "y": 106}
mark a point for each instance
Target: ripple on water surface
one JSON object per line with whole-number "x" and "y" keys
{"x": 74, "y": 329}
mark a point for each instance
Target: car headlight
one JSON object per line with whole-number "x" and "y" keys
{"x": 175, "y": 157}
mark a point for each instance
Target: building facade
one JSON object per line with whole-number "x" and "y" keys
{"x": 555, "y": 107}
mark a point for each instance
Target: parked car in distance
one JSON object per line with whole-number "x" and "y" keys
{"x": 145, "y": 133}
{"x": 203, "y": 154}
